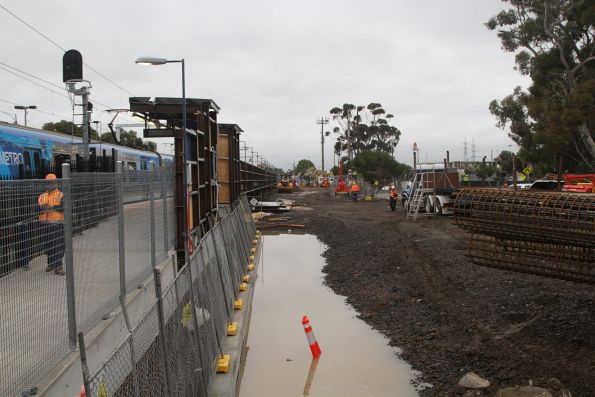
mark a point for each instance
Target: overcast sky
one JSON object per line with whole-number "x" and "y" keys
{"x": 274, "y": 66}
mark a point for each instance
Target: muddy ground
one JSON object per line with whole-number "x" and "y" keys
{"x": 413, "y": 282}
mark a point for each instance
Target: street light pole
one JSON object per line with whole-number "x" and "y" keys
{"x": 163, "y": 61}
{"x": 322, "y": 121}
{"x": 25, "y": 108}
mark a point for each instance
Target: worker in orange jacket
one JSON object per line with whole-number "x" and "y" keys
{"x": 393, "y": 195}
{"x": 355, "y": 191}
{"x": 51, "y": 220}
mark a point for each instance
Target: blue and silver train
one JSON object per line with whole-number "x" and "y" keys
{"x": 31, "y": 152}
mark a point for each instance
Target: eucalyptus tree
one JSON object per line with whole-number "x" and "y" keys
{"x": 554, "y": 45}
{"x": 362, "y": 128}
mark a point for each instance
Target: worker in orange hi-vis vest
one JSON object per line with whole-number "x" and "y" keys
{"x": 355, "y": 191}
{"x": 51, "y": 220}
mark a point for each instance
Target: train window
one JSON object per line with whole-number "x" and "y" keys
{"x": 93, "y": 159}
{"x": 131, "y": 165}
{"x": 37, "y": 161}
{"x": 60, "y": 159}
{"x": 26, "y": 161}
{"x": 143, "y": 165}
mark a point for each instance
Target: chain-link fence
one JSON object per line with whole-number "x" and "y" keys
{"x": 174, "y": 348}
{"x": 69, "y": 248}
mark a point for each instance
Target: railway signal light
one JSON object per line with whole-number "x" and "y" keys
{"x": 72, "y": 66}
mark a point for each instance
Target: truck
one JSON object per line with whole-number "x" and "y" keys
{"x": 432, "y": 190}
{"x": 579, "y": 183}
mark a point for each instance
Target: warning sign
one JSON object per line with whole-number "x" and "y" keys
{"x": 187, "y": 315}
{"x": 102, "y": 390}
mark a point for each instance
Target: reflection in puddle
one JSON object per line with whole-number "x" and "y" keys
{"x": 310, "y": 377}
{"x": 356, "y": 360}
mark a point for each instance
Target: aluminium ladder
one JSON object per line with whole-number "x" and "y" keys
{"x": 417, "y": 197}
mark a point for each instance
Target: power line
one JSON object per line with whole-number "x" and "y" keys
{"x": 47, "y": 82}
{"x": 4, "y": 100}
{"x": 33, "y": 82}
{"x": 31, "y": 75}
{"x": 38, "y": 110}
{"x": 52, "y": 114}
{"x": 62, "y": 48}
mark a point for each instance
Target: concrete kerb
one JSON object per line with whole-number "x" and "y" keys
{"x": 66, "y": 378}
{"x": 228, "y": 384}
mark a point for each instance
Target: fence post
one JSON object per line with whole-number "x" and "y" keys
{"x": 121, "y": 241}
{"x": 161, "y": 321}
{"x": 164, "y": 201}
{"x": 152, "y": 215}
{"x": 84, "y": 366}
{"x": 68, "y": 255}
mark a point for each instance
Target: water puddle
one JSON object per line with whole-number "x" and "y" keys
{"x": 356, "y": 360}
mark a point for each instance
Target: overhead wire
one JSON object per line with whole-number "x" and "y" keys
{"x": 63, "y": 49}
{"x": 33, "y": 82}
{"x": 37, "y": 110}
{"x": 4, "y": 67}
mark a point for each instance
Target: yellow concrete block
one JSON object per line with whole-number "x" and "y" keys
{"x": 238, "y": 304}
{"x": 254, "y": 242}
{"x": 251, "y": 257}
{"x": 252, "y": 250}
{"x": 246, "y": 278}
{"x": 223, "y": 363}
{"x": 232, "y": 329}
{"x": 243, "y": 287}
{"x": 250, "y": 267}
{"x": 258, "y": 232}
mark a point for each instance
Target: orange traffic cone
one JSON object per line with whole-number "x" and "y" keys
{"x": 311, "y": 337}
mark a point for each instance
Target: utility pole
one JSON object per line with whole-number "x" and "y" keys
{"x": 322, "y": 121}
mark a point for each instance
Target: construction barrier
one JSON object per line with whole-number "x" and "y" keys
{"x": 177, "y": 347}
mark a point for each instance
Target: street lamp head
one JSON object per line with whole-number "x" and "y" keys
{"x": 151, "y": 61}
{"x": 20, "y": 107}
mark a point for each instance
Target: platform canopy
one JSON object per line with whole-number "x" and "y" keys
{"x": 170, "y": 110}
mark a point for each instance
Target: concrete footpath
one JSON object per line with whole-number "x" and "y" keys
{"x": 228, "y": 384}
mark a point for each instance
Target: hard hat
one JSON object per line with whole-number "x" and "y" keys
{"x": 393, "y": 187}
{"x": 50, "y": 177}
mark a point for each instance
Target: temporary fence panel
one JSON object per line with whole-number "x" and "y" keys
{"x": 95, "y": 246}
{"x": 137, "y": 187}
{"x": 116, "y": 228}
{"x": 33, "y": 308}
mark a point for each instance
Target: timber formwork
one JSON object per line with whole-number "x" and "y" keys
{"x": 546, "y": 233}
{"x": 256, "y": 181}
{"x": 228, "y": 163}
{"x": 196, "y": 151}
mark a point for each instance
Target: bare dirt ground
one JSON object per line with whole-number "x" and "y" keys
{"x": 413, "y": 282}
